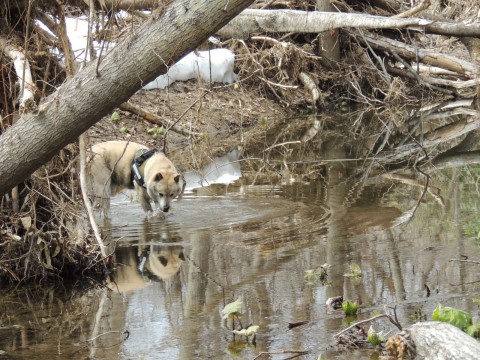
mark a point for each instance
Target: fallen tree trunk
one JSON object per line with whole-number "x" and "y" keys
{"x": 80, "y": 102}
{"x": 255, "y": 21}
{"x": 432, "y": 340}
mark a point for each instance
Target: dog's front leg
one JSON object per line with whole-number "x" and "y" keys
{"x": 144, "y": 199}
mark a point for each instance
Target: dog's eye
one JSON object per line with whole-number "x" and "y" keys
{"x": 161, "y": 195}
{"x": 172, "y": 194}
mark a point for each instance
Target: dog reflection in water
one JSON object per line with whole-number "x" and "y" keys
{"x": 157, "y": 258}
{"x": 160, "y": 261}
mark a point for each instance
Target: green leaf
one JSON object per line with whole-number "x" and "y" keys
{"x": 233, "y": 308}
{"x": 375, "y": 338}
{"x": 456, "y": 317}
{"x": 263, "y": 120}
{"x": 115, "y": 116}
{"x": 349, "y": 308}
{"x": 251, "y": 330}
{"x": 124, "y": 130}
{"x": 474, "y": 330}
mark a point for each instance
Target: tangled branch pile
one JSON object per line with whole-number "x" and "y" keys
{"x": 42, "y": 231}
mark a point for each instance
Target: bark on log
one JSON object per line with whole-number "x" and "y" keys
{"x": 80, "y": 102}
{"x": 434, "y": 340}
{"x": 255, "y": 21}
{"x": 106, "y": 4}
{"x": 429, "y": 57}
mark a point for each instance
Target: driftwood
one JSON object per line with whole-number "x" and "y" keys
{"x": 428, "y": 57}
{"x": 260, "y": 21}
{"x": 432, "y": 340}
{"x": 154, "y": 119}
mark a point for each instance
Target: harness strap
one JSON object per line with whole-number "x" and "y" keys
{"x": 140, "y": 157}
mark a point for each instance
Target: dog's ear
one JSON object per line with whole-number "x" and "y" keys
{"x": 177, "y": 178}
{"x": 163, "y": 260}
{"x": 158, "y": 177}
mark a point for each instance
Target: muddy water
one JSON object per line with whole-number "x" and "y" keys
{"x": 224, "y": 242}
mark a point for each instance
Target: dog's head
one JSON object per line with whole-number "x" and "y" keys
{"x": 163, "y": 188}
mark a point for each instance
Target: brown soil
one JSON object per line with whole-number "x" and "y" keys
{"x": 225, "y": 117}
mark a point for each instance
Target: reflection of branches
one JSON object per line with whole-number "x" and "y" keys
{"x": 204, "y": 273}
{"x": 466, "y": 260}
{"x": 125, "y": 333}
{"x": 427, "y": 177}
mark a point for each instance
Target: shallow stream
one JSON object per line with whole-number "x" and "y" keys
{"x": 255, "y": 242}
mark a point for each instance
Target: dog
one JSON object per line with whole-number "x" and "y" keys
{"x": 117, "y": 165}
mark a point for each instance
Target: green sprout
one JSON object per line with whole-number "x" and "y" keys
{"x": 115, "y": 116}
{"x": 250, "y": 331}
{"x": 456, "y": 317}
{"x": 375, "y": 338}
{"x": 349, "y": 308}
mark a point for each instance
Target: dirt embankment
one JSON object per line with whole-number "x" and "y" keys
{"x": 219, "y": 119}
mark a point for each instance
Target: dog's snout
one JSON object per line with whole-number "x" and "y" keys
{"x": 166, "y": 208}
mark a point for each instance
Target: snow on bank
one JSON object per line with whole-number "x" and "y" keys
{"x": 217, "y": 63}
{"x": 212, "y": 66}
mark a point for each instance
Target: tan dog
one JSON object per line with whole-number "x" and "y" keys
{"x": 117, "y": 165}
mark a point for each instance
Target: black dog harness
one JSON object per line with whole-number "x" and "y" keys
{"x": 139, "y": 159}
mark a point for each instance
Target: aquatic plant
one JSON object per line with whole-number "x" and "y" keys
{"x": 233, "y": 311}
{"x": 349, "y": 307}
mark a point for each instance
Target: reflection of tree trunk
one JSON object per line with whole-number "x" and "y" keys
{"x": 97, "y": 324}
{"x": 337, "y": 229}
{"x": 196, "y": 290}
{"x": 197, "y": 280}
{"x": 394, "y": 261}
{"x": 457, "y": 273}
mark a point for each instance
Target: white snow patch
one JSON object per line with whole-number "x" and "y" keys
{"x": 217, "y": 63}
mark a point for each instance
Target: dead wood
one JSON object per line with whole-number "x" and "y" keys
{"x": 251, "y": 21}
{"x": 157, "y": 120}
{"x": 430, "y": 57}
{"x": 433, "y": 340}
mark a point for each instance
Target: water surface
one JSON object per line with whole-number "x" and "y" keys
{"x": 255, "y": 242}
